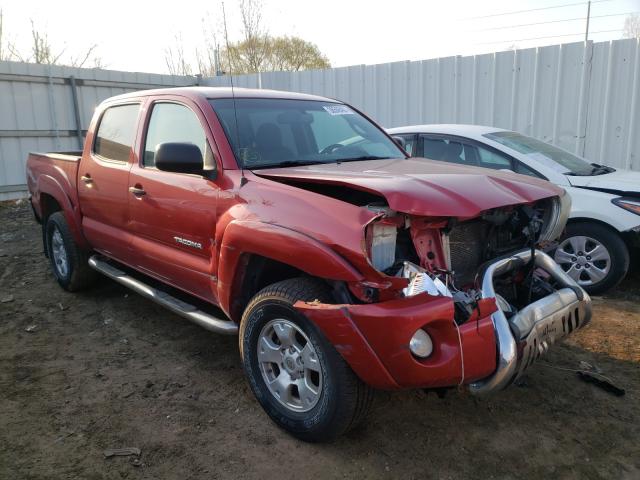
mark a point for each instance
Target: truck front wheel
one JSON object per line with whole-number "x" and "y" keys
{"x": 68, "y": 262}
{"x": 298, "y": 377}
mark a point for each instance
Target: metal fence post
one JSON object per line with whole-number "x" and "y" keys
{"x": 76, "y": 110}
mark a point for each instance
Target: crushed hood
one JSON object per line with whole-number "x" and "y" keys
{"x": 619, "y": 181}
{"x": 424, "y": 187}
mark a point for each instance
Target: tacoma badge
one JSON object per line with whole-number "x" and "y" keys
{"x": 188, "y": 243}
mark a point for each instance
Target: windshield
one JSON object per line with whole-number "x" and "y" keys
{"x": 552, "y": 157}
{"x": 278, "y": 132}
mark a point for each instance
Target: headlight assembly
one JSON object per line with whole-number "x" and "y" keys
{"x": 382, "y": 241}
{"x": 561, "y": 207}
{"x": 629, "y": 204}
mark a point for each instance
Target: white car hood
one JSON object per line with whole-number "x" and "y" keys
{"x": 620, "y": 180}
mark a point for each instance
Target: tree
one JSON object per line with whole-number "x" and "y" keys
{"x": 175, "y": 59}
{"x": 260, "y": 52}
{"x": 632, "y": 26}
{"x": 42, "y": 51}
{"x": 257, "y": 51}
{"x": 255, "y": 46}
{"x": 6, "y": 47}
{"x": 294, "y": 54}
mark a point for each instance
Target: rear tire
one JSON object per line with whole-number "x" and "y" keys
{"x": 331, "y": 399}
{"x": 594, "y": 255}
{"x": 69, "y": 263}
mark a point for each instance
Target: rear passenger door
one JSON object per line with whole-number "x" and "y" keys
{"x": 103, "y": 179}
{"x": 173, "y": 215}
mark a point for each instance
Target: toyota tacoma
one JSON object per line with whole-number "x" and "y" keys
{"x": 297, "y": 223}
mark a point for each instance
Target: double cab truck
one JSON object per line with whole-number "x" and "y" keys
{"x": 297, "y": 223}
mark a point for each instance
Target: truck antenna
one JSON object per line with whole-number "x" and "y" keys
{"x": 243, "y": 179}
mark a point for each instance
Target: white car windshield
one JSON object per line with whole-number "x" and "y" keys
{"x": 552, "y": 157}
{"x": 268, "y": 133}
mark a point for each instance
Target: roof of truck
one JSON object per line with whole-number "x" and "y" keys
{"x": 221, "y": 92}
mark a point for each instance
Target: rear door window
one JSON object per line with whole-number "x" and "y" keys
{"x": 490, "y": 159}
{"x": 447, "y": 150}
{"x": 116, "y": 132}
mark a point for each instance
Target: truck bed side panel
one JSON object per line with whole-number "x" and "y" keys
{"x": 52, "y": 182}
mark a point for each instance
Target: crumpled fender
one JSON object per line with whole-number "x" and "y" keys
{"x": 50, "y": 186}
{"x": 277, "y": 243}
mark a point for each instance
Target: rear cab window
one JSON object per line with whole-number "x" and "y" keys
{"x": 116, "y": 132}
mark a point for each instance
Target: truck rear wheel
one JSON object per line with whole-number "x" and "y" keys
{"x": 69, "y": 263}
{"x": 298, "y": 377}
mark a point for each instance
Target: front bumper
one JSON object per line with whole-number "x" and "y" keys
{"x": 528, "y": 334}
{"x": 488, "y": 352}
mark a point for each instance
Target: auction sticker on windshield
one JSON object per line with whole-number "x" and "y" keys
{"x": 338, "y": 110}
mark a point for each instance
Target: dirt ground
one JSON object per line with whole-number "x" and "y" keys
{"x": 81, "y": 373}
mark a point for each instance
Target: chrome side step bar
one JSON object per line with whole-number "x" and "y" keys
{"x": 177, "y": 306}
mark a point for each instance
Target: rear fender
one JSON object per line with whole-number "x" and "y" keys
{"x": 50, "y": 186}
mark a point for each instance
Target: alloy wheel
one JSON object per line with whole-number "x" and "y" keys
{"x": 289, "y": 365}
{"x": 59, "y": 252}
{"x": 584, "y": 259}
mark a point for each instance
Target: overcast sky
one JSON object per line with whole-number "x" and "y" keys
{"x": 132, "y": 35}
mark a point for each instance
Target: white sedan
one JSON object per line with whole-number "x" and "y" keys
{"x": 604, "y": 222}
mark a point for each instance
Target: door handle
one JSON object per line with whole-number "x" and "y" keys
{"x": 138, "y": 192}
{"x": 86, "y": 179}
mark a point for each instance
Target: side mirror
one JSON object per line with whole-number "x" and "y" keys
{"x": 400, "y": 141}
{"x": 179, "y": 158}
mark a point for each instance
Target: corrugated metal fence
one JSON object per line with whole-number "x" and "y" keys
{"x": 584, "y": 97}
{"x": 47, "y": 108}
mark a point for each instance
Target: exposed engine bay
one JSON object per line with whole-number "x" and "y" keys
{"x": 446, "y": 257}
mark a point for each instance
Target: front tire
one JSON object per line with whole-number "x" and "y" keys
{"x": 297, "y": 376}
{"x": 594, "y": 255}
{"x": 68, "y": 262}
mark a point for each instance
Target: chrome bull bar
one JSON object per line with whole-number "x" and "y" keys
{"x": 522, "y": 338}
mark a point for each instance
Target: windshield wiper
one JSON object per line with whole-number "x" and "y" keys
{"x": 286, "y": 163}
{"x": 600, "y": 169}
{"x": 362, "y": 157}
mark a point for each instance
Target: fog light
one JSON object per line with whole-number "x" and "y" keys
{"x": 421, "y": 344}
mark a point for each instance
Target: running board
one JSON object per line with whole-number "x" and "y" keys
{"x": 177, "y": 306}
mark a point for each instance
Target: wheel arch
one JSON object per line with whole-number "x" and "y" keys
{"x": 255, "y": 254}
{"x": 53, "y": 198}
{"x": 573, "y": 220}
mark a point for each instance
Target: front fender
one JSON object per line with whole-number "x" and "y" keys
{"x": 280, "y": 244}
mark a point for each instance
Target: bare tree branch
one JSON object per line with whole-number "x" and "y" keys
{"x": 81, "y": 60}
{"x": 7, "y": 48}
{"x": 175, "y": 59}
{"x": 632, "y": 26}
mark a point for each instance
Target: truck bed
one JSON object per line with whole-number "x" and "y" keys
{"x": 48, "y": 173}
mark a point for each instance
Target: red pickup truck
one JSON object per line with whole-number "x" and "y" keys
{"x": 296, "y": 222}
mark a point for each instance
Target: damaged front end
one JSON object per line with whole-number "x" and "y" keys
{"x": 469, "y": 301}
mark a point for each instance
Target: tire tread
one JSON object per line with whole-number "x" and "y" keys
{"x": 356, "y": 397}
